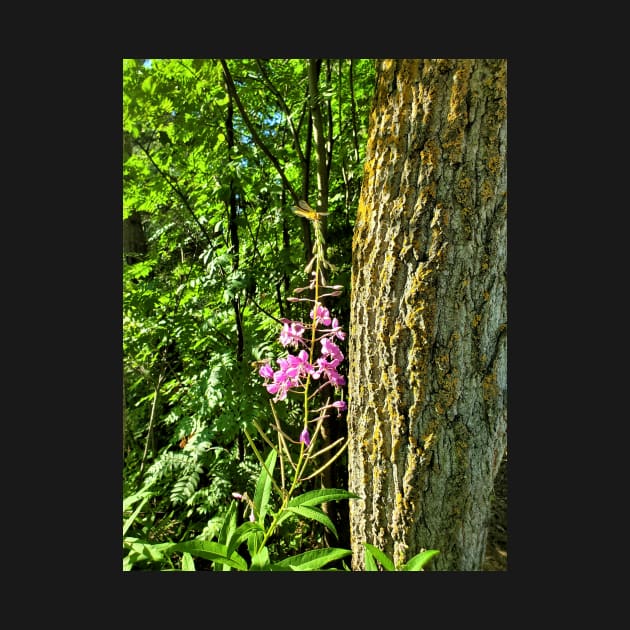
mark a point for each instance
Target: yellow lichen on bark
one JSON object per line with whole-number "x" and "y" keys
{"x": 427, "y": 300}
{"x": 490, "y": 387}
{"x": 452, "y": 136}
{"x": 487, "y": 190}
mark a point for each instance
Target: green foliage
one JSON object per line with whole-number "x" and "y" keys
{"x": 263, "y": 487}
{"x": 212, "y": 250}
{"x": 374, "y": 555}
{"x": 224, "y": 553}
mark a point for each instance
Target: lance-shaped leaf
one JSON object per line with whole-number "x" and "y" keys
{"x": 211, "y": 551}
{"x": 376, "y": 553}
{"x": 188, "y": 563}
{"x": 263, "y": 487}
{"x": 141, "y": 551}
{"x": 310, "y": 560}
{"x": 243, "y": 532}
{"x": 132, "y": 518}
{"x": 229, "y": 525}
{"x": 419, "y": 560}
{"x": 316, "y": 497}
{"x": 315, "y": 514}
{"x": 370, "y": 563}
{"x": 260, "y": 560}
{"x": 226, "y": 532}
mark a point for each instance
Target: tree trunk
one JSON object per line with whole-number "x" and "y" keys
{"x": 427, "y": 379}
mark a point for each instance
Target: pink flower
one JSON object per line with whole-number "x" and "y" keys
{"x": 291, "y": 333}
{"x": 338, "y": 380}
{"x": 329, "y": 369}
{"x": 294, "y": 370}
{"x": 329, "y": 348}
{"x": 279, "y": 389}
{"x": 305, "y": 438}
{"x": 322, "y": 315}
{"x": 340, "y": 405}
{"x": 336, "y": 329}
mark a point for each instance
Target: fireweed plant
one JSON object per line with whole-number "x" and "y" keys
{"x": 312, "y": 368}
{"x": 310, "y": 371}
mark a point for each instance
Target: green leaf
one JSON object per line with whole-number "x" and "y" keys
{"x": 263, "y": 487}
{"x": 222, "y": 101}
{"x": 140, "y": 269}
{"x": 419, "y": 560}
{"x": 386, "y": 563}
{"x": 211, "y": 551}
{"x": 315, "y": 497}
{"x": 310, "y": 560}
{"x": 141, "y": 551}
{"x": 314, "y": 514}
{"x": 229, "y": 525}
{"x": 130, "y": 500}
{"x": 132, "y": 518}
{"x": 253, "y": 542}
{"x": 260, "y": 560}
{"x": 243, "y": 532}
{"x": 370, "y": 563}
{"x": 147, "y": 85}
{"x": 188, "y": 564}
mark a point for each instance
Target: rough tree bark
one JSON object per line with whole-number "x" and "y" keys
{"x": 427, "y": 379}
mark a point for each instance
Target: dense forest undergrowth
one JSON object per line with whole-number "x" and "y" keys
{"x": 220, "y": 254}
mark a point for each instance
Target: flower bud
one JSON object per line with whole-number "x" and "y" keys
{"x": 305, "y": 438}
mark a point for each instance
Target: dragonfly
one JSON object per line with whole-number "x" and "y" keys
{"x": 304, "y": 210}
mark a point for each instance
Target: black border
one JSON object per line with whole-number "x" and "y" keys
{"x": 303, "y": 595}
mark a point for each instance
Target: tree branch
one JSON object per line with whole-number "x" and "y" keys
{"x": 257, "y": 139}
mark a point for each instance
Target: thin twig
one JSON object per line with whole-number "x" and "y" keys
{"x": 326, "y": 448}
{"x": 328, "y": 463}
